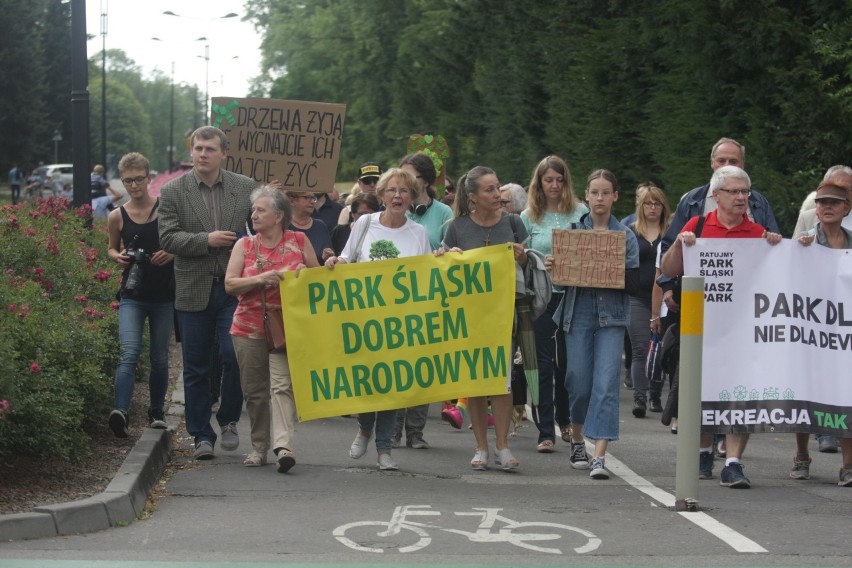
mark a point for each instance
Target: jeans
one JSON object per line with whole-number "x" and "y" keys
{"x": 412, "y": 420}
{"x": 594, "y": 368}
{"x": 552, "y": 396}
{"x": 197, "y": 330}
{"x": 385, "y": 422}
{"x": 640, "y": 335}
{"x": 265, "y": 378}
{"x": 131, "y": 323}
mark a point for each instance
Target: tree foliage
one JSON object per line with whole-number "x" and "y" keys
{"x": 641, "y": 88}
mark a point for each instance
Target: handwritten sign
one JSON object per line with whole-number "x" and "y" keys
{"x": 295, "y": 142}
{"x": 588, "y": 259}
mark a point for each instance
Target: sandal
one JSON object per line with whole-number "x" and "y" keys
{"x": 286, "y": 460}
{"x": 506, "y": 460}
{"x": 565, "y": 431}
{"x": 480, "y": 460}
{"x": 545, "y": 447}
{"x": 254, "y": 459}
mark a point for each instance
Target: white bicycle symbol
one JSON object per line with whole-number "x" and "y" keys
{"x": 522, "y": 534}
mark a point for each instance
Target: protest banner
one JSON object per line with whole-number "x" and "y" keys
{"x": 397, "y": 333}
{"x": 294, "y": 142}
{"x": 777, "y": 336}
{"x": 588, "y": 259}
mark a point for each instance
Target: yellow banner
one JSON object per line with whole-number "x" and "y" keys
{"x": 397, "y": 333}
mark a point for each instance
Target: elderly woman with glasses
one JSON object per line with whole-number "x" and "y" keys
{"x": 254, "y": 271}
{"x": 378, "y": 236}
{"x": 303, "y": 204}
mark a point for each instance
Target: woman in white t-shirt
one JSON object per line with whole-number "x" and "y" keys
{"x": 379, "y": 236}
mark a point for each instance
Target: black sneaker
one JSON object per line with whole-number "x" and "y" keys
{"x": 157, "y": 419}
{"x": 733, "y": 476}
{"x": 579, "y": 459}
{"x": 705, "y": 465}
{"x": 639, "y": 408}
{"x": 656, "y": 405}
{"x": 118, "y": 423}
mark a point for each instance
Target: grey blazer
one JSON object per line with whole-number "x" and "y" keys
{"x": 184, "y": 223}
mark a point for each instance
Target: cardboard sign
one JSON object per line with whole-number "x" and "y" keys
{"x": 396, "y": 333}
{"x": 588, "y": 259}
{"x": 294, "y": 142}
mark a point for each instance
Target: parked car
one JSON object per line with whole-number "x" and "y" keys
{"x": 64, "y": 171}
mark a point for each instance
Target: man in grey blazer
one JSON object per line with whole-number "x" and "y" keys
{"x": 201, "y": 214}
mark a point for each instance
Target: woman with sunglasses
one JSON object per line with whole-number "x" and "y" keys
{"x": 303, "y": 204}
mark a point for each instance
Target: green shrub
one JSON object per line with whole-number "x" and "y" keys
{"x": 58, "y": 329}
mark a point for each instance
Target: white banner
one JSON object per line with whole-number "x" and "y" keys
{"x": 777, "y": 336}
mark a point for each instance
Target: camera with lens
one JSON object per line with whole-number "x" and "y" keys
{"x": 138, "y": 260}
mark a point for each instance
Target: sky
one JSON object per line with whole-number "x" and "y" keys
{"x": 132, "y": 23}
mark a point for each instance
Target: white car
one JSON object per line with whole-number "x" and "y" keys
{"x": 64, "y": 171}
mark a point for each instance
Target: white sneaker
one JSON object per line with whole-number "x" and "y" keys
{"x": 386, "y": 463}
{"x": 359, "y": 446}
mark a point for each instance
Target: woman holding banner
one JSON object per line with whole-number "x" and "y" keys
{"x": 480, "y": 221}
{"x": 551, "y": 205}
{"x": 378, "y": 236}
{"x": 595, "y": 320}
{"x": 253, "y": 275}
{"x": 832, "y": 205}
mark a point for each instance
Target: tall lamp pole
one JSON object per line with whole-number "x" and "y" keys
{"x": 172, "y": 123}
{"x": 104, "y": 9}
{"x": 206, "y": 55}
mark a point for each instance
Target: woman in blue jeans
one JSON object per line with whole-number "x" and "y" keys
{"x": 595, "y": 320}
{"x": 384, "y": 235}
{"x": 147, "y": 291}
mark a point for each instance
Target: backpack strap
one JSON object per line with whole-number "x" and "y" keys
{"x": 699, "y": 227}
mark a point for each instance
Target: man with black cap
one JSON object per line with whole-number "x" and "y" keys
{"x": 368, "y": 176}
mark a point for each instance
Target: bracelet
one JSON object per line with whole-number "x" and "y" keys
{"x": 654, "y": 319}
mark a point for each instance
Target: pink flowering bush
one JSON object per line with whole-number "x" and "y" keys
{"x": 58, "y": 330}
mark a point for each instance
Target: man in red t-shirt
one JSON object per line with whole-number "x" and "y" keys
{"x": 730, "y": 187}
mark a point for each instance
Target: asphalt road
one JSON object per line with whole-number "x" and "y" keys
{"x": 333, "y": 510}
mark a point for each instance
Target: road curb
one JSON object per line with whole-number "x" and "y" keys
{"x": 119, "y": 504}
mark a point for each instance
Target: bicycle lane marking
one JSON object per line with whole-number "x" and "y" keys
{"x": 726, "y": 534}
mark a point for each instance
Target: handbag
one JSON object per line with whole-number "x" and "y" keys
{"x": 273, "y": 326}
{"x": 653, "y": 368}
{"x": 273, "y": 319}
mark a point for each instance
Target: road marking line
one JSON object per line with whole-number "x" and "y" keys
{"x": 726, "y": 534}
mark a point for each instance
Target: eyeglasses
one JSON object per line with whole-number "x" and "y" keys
{"x": 401, "y": 191}
{"x": 600, "y": 195}
{"x": 137, "y": 180}
{"x": 735, "y": 192}
{"x": 370, "y": 181}
{"x": 312, "y": 198}
{"x": 652, "y": 204}
{"x": 505, "y": 202}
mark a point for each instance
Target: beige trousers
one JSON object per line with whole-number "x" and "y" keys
{"x": 265, "y": 377}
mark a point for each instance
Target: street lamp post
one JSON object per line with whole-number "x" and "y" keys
{"x": 104, "y": 8}
{"x": 172, "y": 123}
{"x": 206, "y": 54}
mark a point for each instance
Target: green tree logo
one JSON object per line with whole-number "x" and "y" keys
{"x": 382, "y": 250}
